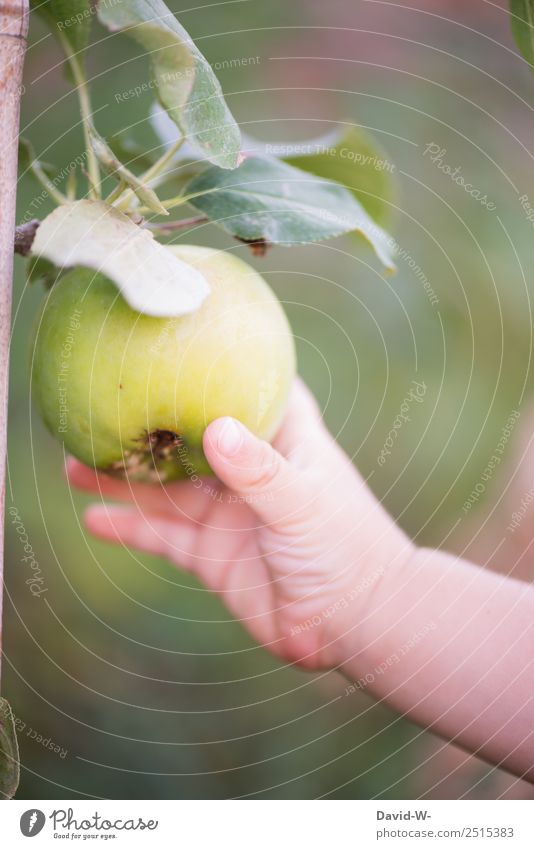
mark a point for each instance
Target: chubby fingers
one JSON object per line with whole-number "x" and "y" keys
{"x": 179, "y": 497}
{"x": 274, "y": 481}
{"x": 209, "y": 553}
{"x": 276, "y": 490}
{"x": 154, "y": 534}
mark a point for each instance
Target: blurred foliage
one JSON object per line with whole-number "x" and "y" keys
{"x": 127, "y": 663}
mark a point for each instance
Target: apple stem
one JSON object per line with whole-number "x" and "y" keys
{"x": 14, "y": 15}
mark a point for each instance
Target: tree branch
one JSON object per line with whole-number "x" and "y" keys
{"x": 14, "y": 16}
{"x": 25, "y": 233}
{"x": 24, "y": 236}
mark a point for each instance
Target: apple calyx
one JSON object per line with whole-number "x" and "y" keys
{"x": 157, "y": 447}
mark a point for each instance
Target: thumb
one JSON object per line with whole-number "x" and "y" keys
{"x": 273, "y": 488}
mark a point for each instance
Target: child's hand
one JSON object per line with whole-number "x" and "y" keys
{"x": 303, "y": 554}
{"x": 292, "y": 543}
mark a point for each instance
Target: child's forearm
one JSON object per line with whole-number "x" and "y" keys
{"x": 451, "y": 645}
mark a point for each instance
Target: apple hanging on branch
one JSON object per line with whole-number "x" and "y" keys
{"x": 140, "y": 344}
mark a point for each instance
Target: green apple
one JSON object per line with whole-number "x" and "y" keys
{"x": 132, "y": 394}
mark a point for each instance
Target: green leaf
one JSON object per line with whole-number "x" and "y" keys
{"x": 114, "y": 166}
{"x": 69, "y": 19}
{"x": 9, "y": 752}
{"x": 268, "y": 201}
{"x": 351, "y": 157}
{"x": 186, "y": 84}
{"x": 95, "y": 235}
{"x": 522, "y": 21}
{"x": 347, "y": 155}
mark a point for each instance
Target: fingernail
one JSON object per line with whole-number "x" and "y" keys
{"x": 230, "y": 438}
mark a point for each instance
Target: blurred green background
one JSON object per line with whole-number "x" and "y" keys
{"x": 127, "y": 664}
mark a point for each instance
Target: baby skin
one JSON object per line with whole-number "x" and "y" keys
{"x": 304, "y": 555}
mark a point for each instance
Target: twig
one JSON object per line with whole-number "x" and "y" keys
{"x": 172, "y": 226}
{"x": 14, "y": 16}
{"x": 25, "y": 233}
{"x": 24, "y": 236}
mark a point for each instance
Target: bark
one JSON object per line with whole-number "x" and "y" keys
{"x": 14, "y": 15}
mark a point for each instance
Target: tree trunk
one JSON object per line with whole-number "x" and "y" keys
{"x": 14, "y": 16}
